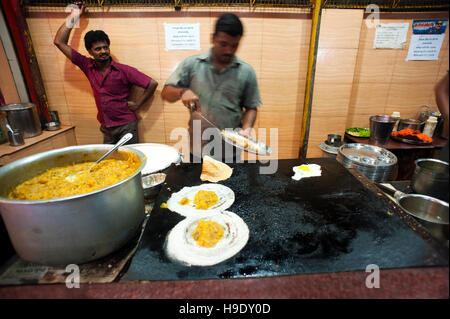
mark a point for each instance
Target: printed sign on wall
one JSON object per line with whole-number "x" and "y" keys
{"x": 425, "y": 47}
{"x": 390, "y": 35}
{"x": 182, "y": 36}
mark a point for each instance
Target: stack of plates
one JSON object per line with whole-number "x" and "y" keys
{"x": 374, "y": 162}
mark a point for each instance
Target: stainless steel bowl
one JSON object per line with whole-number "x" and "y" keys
{"x": 152, "y": 184}
{"x": 432, "y": 213}
{"x": 52, "y": 126}
{"x": 75, "y": 229}
{"x": 411, "y": 124}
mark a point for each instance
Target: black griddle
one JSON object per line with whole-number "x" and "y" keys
{"x": 330, "y": 223}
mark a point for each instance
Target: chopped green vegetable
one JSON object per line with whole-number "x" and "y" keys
{"x": 358, "y": 131}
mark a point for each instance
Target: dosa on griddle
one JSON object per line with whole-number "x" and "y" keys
{"x": 214, "y": 171}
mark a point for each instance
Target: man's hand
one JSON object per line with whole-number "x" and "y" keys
{"x": 133, "y": 106}
{"x": 149, "y": 91}
{"x": 190, "y": 100}
{"x": 75, "y": 14}
{"x": 248, "y": 121}
{"x": 245, "y": 133}
{"x": 63, "y": 33}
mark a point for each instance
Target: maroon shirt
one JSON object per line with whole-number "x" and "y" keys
{"x": 111, "y": 90}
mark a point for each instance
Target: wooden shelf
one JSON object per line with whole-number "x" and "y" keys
{"x": 48, "y": 140}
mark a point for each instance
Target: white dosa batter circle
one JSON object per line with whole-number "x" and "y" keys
{"x": 225, "y": 200}
{"x": 181, "y": 247}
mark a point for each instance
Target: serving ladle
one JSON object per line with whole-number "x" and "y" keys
{"x": 72, "y": 177}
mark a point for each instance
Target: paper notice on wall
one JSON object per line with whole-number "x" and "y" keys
{"x": 390, "y": 35}
{"x": 182, "y": 36}
{"x": 424, "y": 47}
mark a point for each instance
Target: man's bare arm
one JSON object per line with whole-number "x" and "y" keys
{"x": 442, "y": 101}
{"x": 63, "y": 33}
{"x": 149, "y": 91}
{"x": 248, "y": 120}
{"x": 188, "y": 97}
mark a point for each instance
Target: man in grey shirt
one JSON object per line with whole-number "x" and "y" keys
{"x": 219, "y": 86}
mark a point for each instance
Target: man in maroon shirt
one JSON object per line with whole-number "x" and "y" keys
{"x": 110, "y": 81}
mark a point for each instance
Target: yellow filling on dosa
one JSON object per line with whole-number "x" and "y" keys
{"x": 207, "y": 233}
{"x": 205, "y": 199}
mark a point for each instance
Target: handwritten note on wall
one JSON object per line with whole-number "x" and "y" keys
{"x": 425, "y": 47}
{"x": 182, "y": 36}
{"x": 390, "y": 35}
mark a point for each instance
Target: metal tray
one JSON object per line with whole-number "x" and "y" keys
{"x": 367, "y": 155}
{"x": 407, "y": 141}
{"x": 246, "y": 144}
{"x": 159, "y": 156}
{"x": 374, "y": 162}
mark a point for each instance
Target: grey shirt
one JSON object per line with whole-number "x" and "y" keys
{"x": 222, "y": 95}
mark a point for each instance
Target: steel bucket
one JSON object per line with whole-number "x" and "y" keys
{"x": 23, "y": 117}
{"x": 76, "y": 229}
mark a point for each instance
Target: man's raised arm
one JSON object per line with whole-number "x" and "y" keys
{"x": 62, "y": 36}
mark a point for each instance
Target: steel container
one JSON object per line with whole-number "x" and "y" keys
{"x": 376, "y": 163}
{"x": 381, "y": 127}
{"x": 411, "y": 124}
{"x": 152, "y": 184}
{"x": 23, "y": 117}
{"x": 431, "y": 178}
{"x": 431, "y": 213}
{"x": 75, "y": 229}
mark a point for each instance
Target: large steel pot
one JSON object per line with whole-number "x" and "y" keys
{"x": 431, "y": 178}
{"x": 23, "y": 117}
{"x": 76, "y": 229}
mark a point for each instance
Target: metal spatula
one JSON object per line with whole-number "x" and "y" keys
{"x": 72, "y": 177}
{"x": 203, "y": 117}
